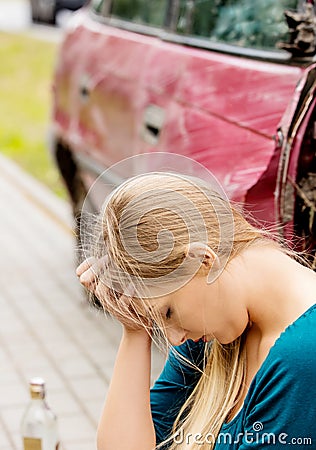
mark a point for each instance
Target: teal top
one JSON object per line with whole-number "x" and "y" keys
{"x": 280, "y": 407}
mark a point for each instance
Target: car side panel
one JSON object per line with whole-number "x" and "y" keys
{"x": 112, "y": 64}
{"x": 252, "y": 94}
{"x": 235, "y": 155}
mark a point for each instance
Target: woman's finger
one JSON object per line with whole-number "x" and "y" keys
{"x": 89, "y": 276}
{"x": 85, "y": 265}
{"x": 95, "y": 263}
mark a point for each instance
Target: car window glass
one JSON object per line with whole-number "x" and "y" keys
{"x": 97, "y": 6}
{"x": 247, "y": 23}
{"x": 141, "y": 11}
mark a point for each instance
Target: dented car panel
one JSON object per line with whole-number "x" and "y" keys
{"x": 118, "y": 93}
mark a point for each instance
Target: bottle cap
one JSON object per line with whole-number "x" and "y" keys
{"x": 37, "y": 388}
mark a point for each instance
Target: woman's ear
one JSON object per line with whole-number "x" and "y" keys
{"x": 203, "y": 253}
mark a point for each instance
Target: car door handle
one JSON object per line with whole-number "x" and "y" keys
{"x": 88, "y": 84}
{"x": 154, "y": 131}
{"x": 153, "y": 120}
{"x": 84, "y": 90}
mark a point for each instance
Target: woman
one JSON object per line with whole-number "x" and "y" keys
{"x": 172, "y": 255}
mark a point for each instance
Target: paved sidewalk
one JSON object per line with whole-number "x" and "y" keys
{"x": 46, "y": 328}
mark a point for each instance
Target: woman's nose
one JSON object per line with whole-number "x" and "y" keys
{"x": 176, "y": 336}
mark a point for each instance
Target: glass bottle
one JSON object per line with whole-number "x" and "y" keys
{"x": 39, "y": 423}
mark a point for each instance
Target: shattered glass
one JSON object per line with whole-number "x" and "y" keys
{"x": 246, "y": 23}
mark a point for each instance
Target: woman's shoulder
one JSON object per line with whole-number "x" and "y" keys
{"x": 282, "y": 395}
{"x": 298, "y": 339}
{"x": 294, "y": 351}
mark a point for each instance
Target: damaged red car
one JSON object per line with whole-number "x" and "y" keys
{"x": 229, "y": 83}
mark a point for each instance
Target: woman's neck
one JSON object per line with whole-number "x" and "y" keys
{"x": 279, "y": 291}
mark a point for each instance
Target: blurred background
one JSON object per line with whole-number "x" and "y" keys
{"x": 27, "y": 52}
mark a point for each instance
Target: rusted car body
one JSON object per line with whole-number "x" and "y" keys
{"x": 248, "y": 114}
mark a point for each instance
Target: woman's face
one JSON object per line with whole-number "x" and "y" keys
{"x": 198, "y": 311}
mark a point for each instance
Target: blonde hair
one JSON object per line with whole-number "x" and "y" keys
{"x": 145, "y": 229}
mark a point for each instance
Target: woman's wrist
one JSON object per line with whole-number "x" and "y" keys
{"x": 136, "y": 334}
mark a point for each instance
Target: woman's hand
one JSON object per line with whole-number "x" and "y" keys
{"x": 122, "y": 308}
{"x": 88, "y": 272}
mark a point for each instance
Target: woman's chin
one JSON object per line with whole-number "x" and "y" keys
{"x": 225, "y": 340}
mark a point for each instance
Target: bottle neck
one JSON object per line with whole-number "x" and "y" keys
{"x": 37, "y": 395}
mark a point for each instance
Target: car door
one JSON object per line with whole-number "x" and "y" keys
{"x": 115, "y": 85}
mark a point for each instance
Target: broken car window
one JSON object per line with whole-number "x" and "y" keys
{"x": 246, "y": 23}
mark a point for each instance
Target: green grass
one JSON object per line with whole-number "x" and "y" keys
{"x": 26, "y": 71}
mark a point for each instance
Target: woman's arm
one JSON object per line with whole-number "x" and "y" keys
{"x": 126, "y": 422}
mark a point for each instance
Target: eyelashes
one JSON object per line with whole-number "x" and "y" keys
{"x": 168, "y": 313}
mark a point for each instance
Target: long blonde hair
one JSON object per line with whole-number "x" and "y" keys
{"x": 145, "y": 229}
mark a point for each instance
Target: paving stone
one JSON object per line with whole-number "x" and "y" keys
{"x": 80, "y": 445}
{"x": 4, "y": 441}
{"x": 12, "y": 394}
{"x": 12, "y": 417}
{"x": 89, "y": 388}
{"x": 63, "y": 402}
{"x": 76, "y": 428}
{"x": 16, "y": 440}
{"x": 8, "y": 375}
{"x": 76, "y": 366}
{"x": 95, "y": 407}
